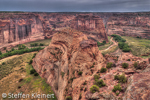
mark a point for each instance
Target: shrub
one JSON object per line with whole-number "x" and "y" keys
{"x": 109, "y": 64}
{"x": 116, "y": 77}
{"x": 36, "y": 74}
{"x": 96, "y": 77}
{"x": 117, "y": 93}
{"x": 125, "y": 65}
{"x": 128, "y": 59}
{"x": 104, "y": 42}
{"x": 80, "y": 96}
{"x": 135, "y": 64}
{"x": 71, "y": 79}
{"x": 34, "y": 55}
{"x": 0, "y": 53}
{"x": 32, "y": 71}
{"x": 84, "y": 83}
{"x": 103, "y": 70}
{"x": 41, "y": 44}
{"x": 121, "y": 78}
{"x": 100, "y": 83}
{"x": 21, "y": 46}
{"x": 12, "y": 49}
{"x": 68, "y": 98}
{"x": 117, "y": 87}
{"x": 31, "y": 61}
{"x": 62, "y": 74}
{"x": 3, "y": 63}
{"x": 4, "y": 48}
{"x": 80, "y": 73}
{"x": 126, "y": 49}
{"x": 94, "y": 88}
{"x": 92, "y": 66}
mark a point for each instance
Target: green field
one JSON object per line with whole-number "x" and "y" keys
{"x": 138, "y": 46}
{"x": 46, "y": 42}
{"x": 106, "y": 45}
{"x": 17, "y": 67}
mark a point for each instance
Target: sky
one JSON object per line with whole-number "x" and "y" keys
{"x": 75, "y": 5}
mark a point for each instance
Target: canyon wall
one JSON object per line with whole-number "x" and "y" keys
{"x": 129, "y": 24}
{"x": 18, "y": 28}
{"x": 91, "y": 25}
{"x": 23, "y": 28}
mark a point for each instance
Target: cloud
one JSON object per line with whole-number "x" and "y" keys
{"x": 75, "y": 5}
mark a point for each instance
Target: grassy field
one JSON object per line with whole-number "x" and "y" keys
{"x": 14, "y": 68}
{"x": 46, "y": 42}
{"x": 138, "y": 46}
{"x": 106, "y": 45}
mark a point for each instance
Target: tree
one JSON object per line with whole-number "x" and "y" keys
{"x": 0, "y": 53}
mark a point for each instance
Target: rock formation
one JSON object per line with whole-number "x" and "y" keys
{"x": 129, "y": 24}
{"x": 91, "y": 25}
{"x": 23, "y": 28}
{"x": 69, "y": 53}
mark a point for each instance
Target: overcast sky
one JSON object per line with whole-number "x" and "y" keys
{"x": 75, "y": 5}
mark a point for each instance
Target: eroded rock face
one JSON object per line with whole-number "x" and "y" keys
{"x": 138, "y": 86}
{"x": 69, "y": 53}
{"x": 23, "y": 28}
{"x": 129, "y": 24}
{"x": 91, "y": 25}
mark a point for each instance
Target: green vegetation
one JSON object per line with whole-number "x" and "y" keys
{"x": 135, "y": 64}
{"x": 84, "y": 83}
{"x": 117, "y": 87}
{"x": 100, "y": 44}
{"x": 121, "y": 78}
{"x": 103, "y": 70}
{"x": 96, "y": 77}
{"x": 62, "y": 74}
{"x": 31, "y": 61}
{"x": 100, "y": 83}
{"x": 21, "y": 49}
{"x": 17, "y": 68}
{"x": 94, "y": 88}
{"x": 44, "y": 42}
{"x": 34, "y": 44}
{"x": 80, "y": 73}
{"x": 102, "y": 47}
{"x": 125, "y": 65}
{"x": 0, "y": 53}
{"x": 68, "y": 98}
{"x": 122, "y": 45}
{"x": 109, "y": 64}
{"x": 118, "y": 38}
{"x": 138, "y": 46}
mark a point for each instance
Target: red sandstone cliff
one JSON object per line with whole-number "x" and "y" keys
{"x": 91, "y": 25}
{"x": 20, "y": 29}
{"x": 69, "y": 52}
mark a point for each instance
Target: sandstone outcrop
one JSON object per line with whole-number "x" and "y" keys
{"x": 69, "y": 53}
{"x": 138, "y": 86}
{"x": 91, "y": 25}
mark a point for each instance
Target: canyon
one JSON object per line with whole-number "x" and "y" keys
{"x": 18, "y": 28}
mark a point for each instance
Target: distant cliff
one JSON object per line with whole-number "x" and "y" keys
{"x": 18, "y": 28}
{"x": 21, "y": 28}
{"x": 129, "y": 24}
